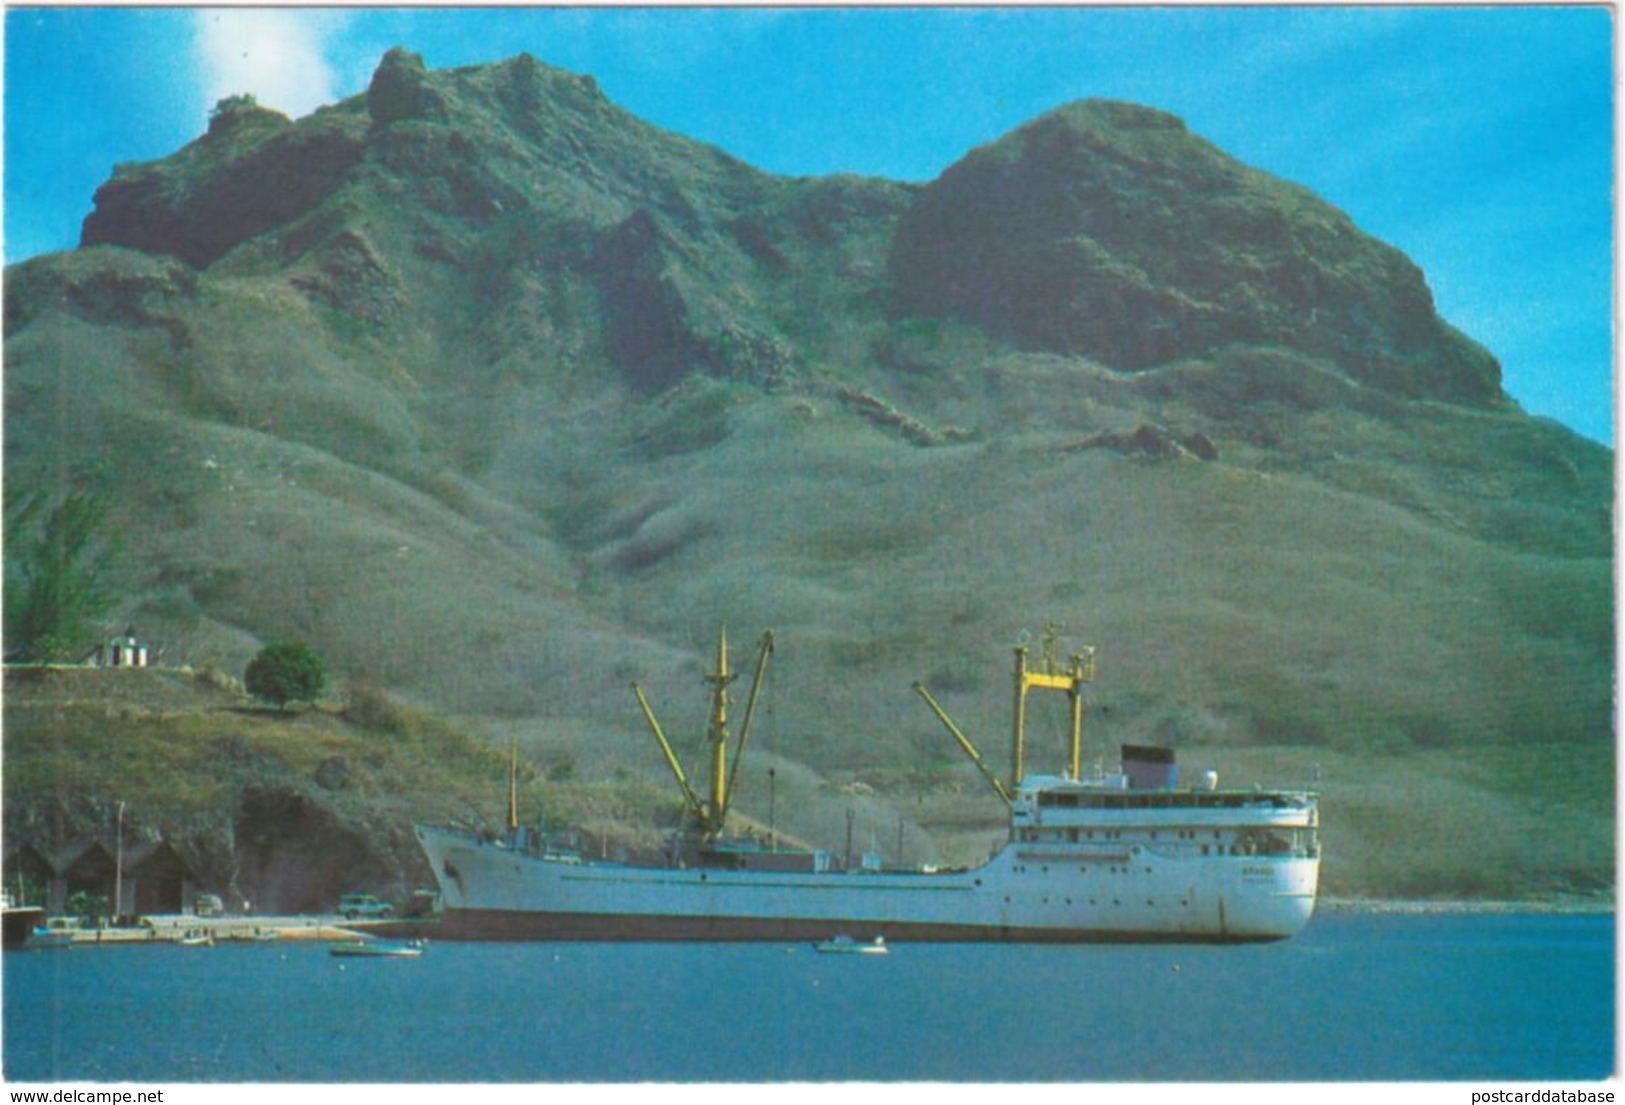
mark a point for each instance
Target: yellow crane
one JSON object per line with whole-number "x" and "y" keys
{"x": 1048, "y": 674}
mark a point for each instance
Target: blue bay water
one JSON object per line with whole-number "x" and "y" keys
{"x": 1357, "y": 997}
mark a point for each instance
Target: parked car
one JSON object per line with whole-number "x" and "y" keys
{"x": 353, "y": 906}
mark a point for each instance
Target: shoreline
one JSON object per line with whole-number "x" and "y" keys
{"x": 1425, "y": 906}
{"x": 176, "y": 928}
{"x": 184, "y": 928}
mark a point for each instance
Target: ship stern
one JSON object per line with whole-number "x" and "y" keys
{"x": 1271, "y": 901}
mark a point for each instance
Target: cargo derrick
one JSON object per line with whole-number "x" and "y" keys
{"x": 709, "y": 814}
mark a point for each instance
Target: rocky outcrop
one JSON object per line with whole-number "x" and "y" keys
{"x": 876, "y": 410}
{"x": 252, "y": 172}
{"x": 115, "y": 286}
{"x": 400, "y": 90}
{"x": 1108, "y": 231}
{"x": 295, "y": 854}
{"x": 1153, "y": 442}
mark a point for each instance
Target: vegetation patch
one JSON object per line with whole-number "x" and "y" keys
{"x": 692, "y": 416}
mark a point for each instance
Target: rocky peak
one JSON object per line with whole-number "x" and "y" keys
{"x": 1101, "y": 230}
{"x": 400, "y": 90}
{"x": 472, "y": 143}
{"x": 1109, "y": 231}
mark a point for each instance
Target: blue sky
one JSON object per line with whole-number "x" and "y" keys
{"x": 1477, "y": 140}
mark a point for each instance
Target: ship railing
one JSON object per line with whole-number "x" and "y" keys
{"x": 1168, "y": 798}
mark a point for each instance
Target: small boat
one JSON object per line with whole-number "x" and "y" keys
{"x": 195, "y": 940}
{"x": 845, "y": 945}
{"x": 21, "y": 921}
{"x": 378, "y": 949}
{"x": 44, "y": 939}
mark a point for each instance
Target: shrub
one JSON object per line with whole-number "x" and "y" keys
{"x": 370, "y": 708}
{"x": 286, "y": 672}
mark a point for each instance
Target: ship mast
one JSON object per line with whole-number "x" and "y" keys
{"x": 717, "y": 734}
{"x": 513, "y": 785}
{"x": 711, "y": 812}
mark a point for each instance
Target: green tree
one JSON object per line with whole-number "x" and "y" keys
{"x": 88, "y": 906}
{"x": 290, "y": 671}
{"x": 59, "y": 566}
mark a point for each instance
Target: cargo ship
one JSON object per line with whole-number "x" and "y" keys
{"x": 1128, "y": 855}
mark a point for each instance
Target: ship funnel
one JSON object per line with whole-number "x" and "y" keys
{"x": 1148, "y": 767}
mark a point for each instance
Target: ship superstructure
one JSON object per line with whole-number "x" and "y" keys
{"x": 1125, "y": 855}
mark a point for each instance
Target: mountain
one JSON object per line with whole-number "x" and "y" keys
{"x": 1108, "y": 231}
{"x": 502, "y": 397}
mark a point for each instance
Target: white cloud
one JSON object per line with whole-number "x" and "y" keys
{"x": 274, "y": 54}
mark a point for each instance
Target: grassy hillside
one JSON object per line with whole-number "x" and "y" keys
{"x": 286, "y": 809}
{"x": 1437, "y": 636}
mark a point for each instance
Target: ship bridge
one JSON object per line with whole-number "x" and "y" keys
{"x": 1051, "y": 796}
{"x": 1065, "y": 813}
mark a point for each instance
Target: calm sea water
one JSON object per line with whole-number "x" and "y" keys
{"x": 1357, "y": 997}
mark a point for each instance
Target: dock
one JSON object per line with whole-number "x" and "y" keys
{"x": 187, "y": 928}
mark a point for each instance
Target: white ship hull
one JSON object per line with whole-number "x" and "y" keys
{"x": 1122, "y": 857}
{"x": 1025, "y": 893}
